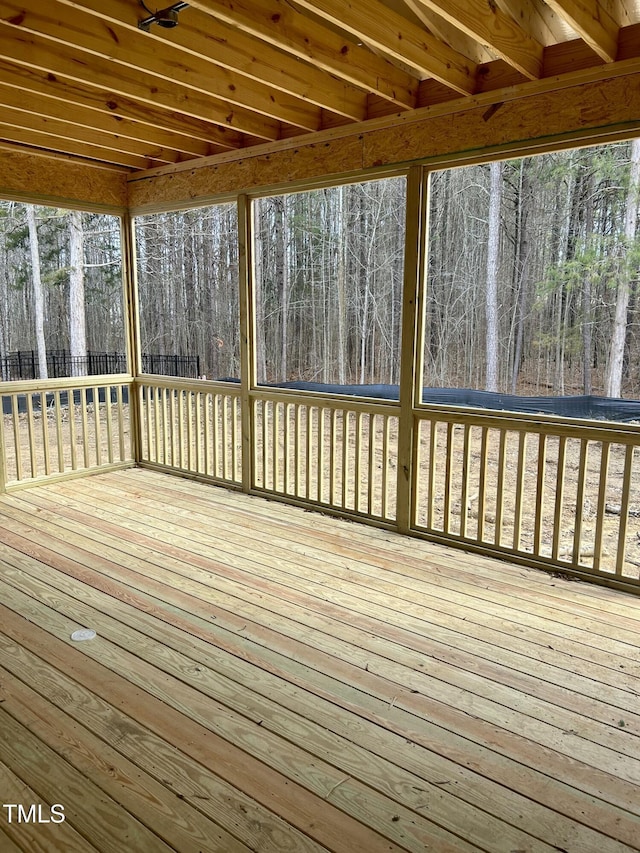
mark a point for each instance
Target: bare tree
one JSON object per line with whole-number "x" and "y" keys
{"x": 38, "y": 292}
{"x": 77, "y": 318}
{"x": 616, "y": 351}
{"x": 493, "y": 261}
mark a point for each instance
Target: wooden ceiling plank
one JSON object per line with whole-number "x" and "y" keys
{"x": 51, "y": 142}
{"x": 33, "y": 51}
{"x": 33, "y": 120}
{"x": 133, "y": 49}
{"x": 133, "y": 137}
{"x": 397, "y": 37}
{"x": 488, "y": 24}
{"x": 278, "y": 24}
{"x": 537, "y": 19}
{"x": 449, "y": 34}
{"x": 188, "y": 134}
{"x": 592, "y": 22}
{"x": 206, "y": 38}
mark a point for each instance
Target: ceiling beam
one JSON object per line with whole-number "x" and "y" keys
{"x": 63, "y": 129}
{"x": 208, "y": 39}
{"x": 399, "y": 38}
{"x": 133, "y": 50}
{"x": 36, "y": 52}
{"x": 277, "y": 23}
{"x": 188, "y": 134}
{"x": 134, "y": 136}
{"x": 488, "y": 24}
{"x": 48, "y": 139}
{"x": 449, "y": 34}
{"x": 592, "y": 23}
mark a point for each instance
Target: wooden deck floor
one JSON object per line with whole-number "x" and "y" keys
{"x": 274, "y": 680}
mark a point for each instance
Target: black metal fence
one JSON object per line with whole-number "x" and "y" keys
{"x": 23, "y": 364}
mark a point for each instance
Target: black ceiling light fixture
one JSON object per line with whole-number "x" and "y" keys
{"x": 166, "y": 18}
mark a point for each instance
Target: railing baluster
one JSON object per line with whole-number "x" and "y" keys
{"x": 346, "y": 421}
{"x": 464, "y": 496}
{"x": 109, "y": 416}
{"x": 121, "y": 425}
{"x": 308, "y": 462}
{"x": 198, "y": 431}
{"x": 321, "y": 455}
{"x": 384, "y": 485}
{"x": 557, "y": 515}
{"x": 624, "y": 509}
{"x": 446, "y": 520}
{"x": 502, "y": 457}
{"x": 45, "y": 433}
{"x": 540, "y": 503}
{"x": 371, "y": 473}
{"x": 579, "y": 513}
{"x": 17, "y": 444}
{"x": 482, "y": 483}
{"x": 520, "y": 479}
{"x": 285, "y": 448}
{"x": 31, "y": 433}
{"x": 298, "y": 449}
{"x": 601, "y": 505}
{"x": 59, "y": 436}
{"x": 96, "y": 425}
{"x": 431, "y": 490}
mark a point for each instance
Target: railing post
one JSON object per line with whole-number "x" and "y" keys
{"x": 411, "y": 342}
{"x": 3, "y": 451}
{"x": 247, "y": 337}
{"x": 132, "y": 330}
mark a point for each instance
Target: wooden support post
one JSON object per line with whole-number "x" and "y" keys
{"x": 3, "y": 452}
{"x": 247, "y": 339}
{"x": 411, "y": 342}
{"x": 132, "y": 331}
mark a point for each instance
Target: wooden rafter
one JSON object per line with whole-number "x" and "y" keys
{"x": 486, "y": 23}
{"x": 446, "y": 32}
{"x": 239, "y": 73}
{"x": 398, "y": 38}
{"x": 84, "y": 124}
{"x": 278, "y": 24}
{"x": 32, "y": 51}
{"x": 592, "y": 22}
{"x": 188, "y": 134}
{"x": 77, "y": 31}
{"x": 207, "y": 39}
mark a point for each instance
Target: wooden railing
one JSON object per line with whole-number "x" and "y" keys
{"x": 336, "y": 453}
{"x": 557, "y": 493}
{"x": 191, "y": 427}
{"x": 61, "y": 427}
{"x": 544, "y": 491}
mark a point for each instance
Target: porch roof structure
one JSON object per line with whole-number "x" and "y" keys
{"x": 86, "y": 93}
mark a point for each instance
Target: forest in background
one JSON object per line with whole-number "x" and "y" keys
{"x": 60, "y": 286}
{"x": 532, "y": 279}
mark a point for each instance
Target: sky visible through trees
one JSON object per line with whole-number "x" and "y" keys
{"x": 532, "y": 280}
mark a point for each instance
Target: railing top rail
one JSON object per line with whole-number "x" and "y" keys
{"x": 179, "y": 383}
{"x": 539, "y": 423}
{"x": 330, "y": 401}
{"x": 34, "y": 386}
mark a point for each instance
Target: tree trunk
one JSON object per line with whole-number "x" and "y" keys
{"x": 587, "y": 345}
{"x": 493, "y": 260}
{"x": 616, "y": 350}
{"x": 38, "y": 293}
{"x": 77, "y": 318}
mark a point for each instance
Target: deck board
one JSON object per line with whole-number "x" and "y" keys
{"x": 270, "y": 679}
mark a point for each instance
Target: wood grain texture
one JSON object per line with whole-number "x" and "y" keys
{"x": 277, "y": 680}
